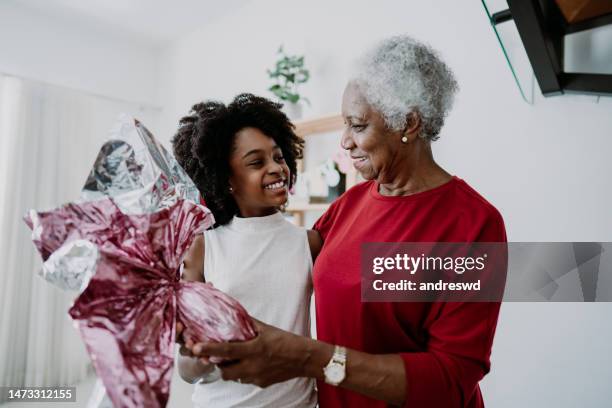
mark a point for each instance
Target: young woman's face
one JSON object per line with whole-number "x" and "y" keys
{"x": 259, "y": 175}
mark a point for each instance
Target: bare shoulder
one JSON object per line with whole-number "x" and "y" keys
{"x": 194, "y": 260}
{"x": 315, "y": 242}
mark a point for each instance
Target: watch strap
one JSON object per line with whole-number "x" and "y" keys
{"x": 337, "y": 362}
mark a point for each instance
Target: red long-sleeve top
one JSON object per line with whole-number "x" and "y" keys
{"x": 445, "y": 346}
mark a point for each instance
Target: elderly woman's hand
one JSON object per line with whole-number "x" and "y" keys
{"x": 185, "y": 346}
{"x": 271, "y": 357}
{"x": 276, "y": 355}
{"x": 192, "y": 368}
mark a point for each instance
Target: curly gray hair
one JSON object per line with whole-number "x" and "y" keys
{"x": 401, "y": 75}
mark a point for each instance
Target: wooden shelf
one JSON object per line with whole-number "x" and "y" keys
{"x": 323, "y": 124}
{"x": 306, "y": 129}
{"x": 307, "y": 207}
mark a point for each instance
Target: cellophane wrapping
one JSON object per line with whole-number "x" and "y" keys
{"x": 120, "y": 245}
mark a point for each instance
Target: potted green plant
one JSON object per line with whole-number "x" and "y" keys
{"x": 288, "y": 74}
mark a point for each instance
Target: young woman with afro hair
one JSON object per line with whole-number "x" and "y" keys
{"x": 242, "y": 157}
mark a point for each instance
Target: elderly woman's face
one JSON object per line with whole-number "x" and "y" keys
{"x": 373, "y": 147}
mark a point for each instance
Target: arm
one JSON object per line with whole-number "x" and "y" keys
{"x": 456, "y": 358}
{"x": 379, "y": 376}
{"x": 276, "y": 355}
{"x": 190, "y": 367}
{"x": 315, "y": 242}
{"x": 193, "y": 264}
{"x": 445, "y": 374}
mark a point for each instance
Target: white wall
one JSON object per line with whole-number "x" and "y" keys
{"x": 589, "y": 51}
{"x": 544, "y": 166}
{"x": 71, "y": 54}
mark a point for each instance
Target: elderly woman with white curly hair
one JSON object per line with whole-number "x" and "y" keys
{"x": 379, "y": 353}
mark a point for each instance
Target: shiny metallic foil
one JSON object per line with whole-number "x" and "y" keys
{"x": 121, "y": 245}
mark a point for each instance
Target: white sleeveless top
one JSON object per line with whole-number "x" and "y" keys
{"x": 266, "y": 264}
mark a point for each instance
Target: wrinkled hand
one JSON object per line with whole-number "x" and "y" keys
{"x": 271, "y": 357}
{"x": 186, "y": 348}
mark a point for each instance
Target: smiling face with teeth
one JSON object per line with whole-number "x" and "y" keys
{"x": 259, "y": 174}
{"x": 378, "y": 152}
{"x": 373, "y": 147}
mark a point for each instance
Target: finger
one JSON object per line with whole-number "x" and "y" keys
{"x": 200, "y": 348}
{"x": 230, "y": 351}
{"x": 255, "y": 320}
{"x": 226, "y": 363}
{"x": 237, "y": 370}
{"x": 217, "y": 360}
{"x": 259, "y": 325}
{"x": 205, "y": 362}
{"x": 184, "y": 351}
{"x": 246, "y": 380}
{"x": 197, "y": 348}
{"x": 197, "y": 352}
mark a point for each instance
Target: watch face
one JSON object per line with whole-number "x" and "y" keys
{"x": 335, "y": 373}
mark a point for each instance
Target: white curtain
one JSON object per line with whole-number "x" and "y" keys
{"x": 49, "y": 138}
